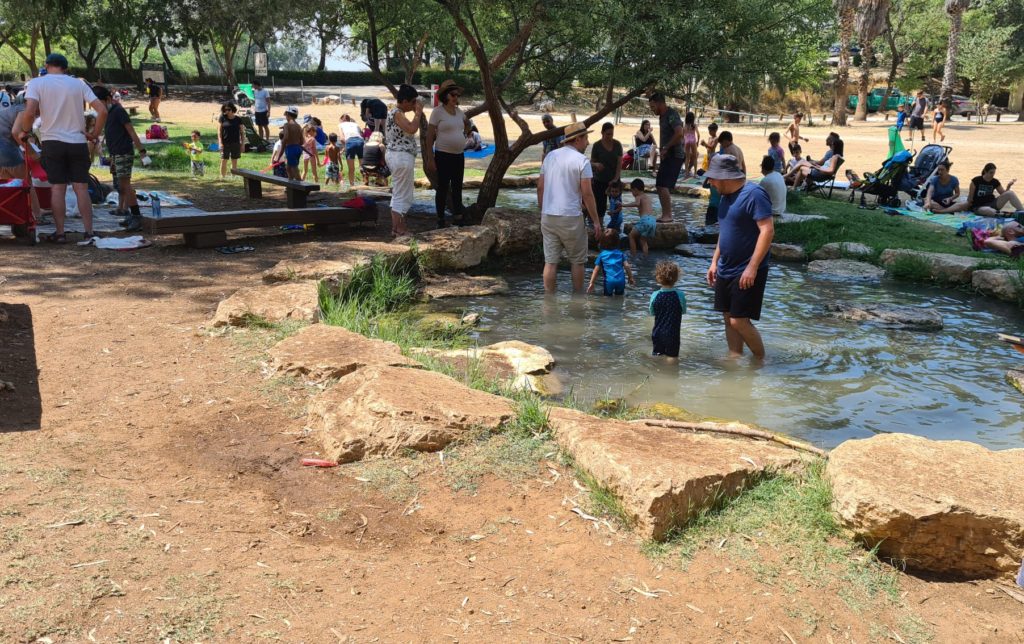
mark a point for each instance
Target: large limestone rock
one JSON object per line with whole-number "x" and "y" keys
{"x": 290, "y": 301}
{"x": 320, "y": 352}
{"x": 943, "y": 267}
{"x": 378, "y": 411}
{"x": 846, "y": 269}
{"x": 663, "y": 477}
{"x": 1002, "y": 283}
{"x": 522, "y": 365}
{"x": 788, "y": 253}
{"x": 910, "y": 317}
{"x": 344, "y": 258}
{"x": 462, "y": 285}
{"x": 666, "y": 235}
{"x": 704, "y": 234}
{"x": 701, "y": 251}
{"x": 516, "y": 230}
{"x": 455, "y": 248}
{"x": 841, "y": 250}
{"x": 948, "y": 507}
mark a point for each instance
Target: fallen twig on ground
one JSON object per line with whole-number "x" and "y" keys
{"x": 735, "y": 429}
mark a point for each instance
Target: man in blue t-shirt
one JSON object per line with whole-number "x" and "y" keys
{"x": 739, "y": 268}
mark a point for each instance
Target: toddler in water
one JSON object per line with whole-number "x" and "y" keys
{"x": 643, "y": 229}
{"x": 668, "y": 305}
{"x": 612, "y": 262}
{"x": 332, "y": 156}
{"x": 615, "y": 206}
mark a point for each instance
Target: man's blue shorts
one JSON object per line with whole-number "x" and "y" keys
{"x": 293, "y": 154}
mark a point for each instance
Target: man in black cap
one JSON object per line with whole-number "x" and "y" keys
{"x": 59, "y": 98}
{"x": 739, "y": 267}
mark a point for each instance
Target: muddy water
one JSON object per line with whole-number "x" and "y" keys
{"x": 825, "y": 380}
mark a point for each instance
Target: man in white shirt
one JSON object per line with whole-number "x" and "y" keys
{"x": 58, "y": 99}
{"x": 563, "y": 185}
{"x": 774, "y": 185}
{"x": 261, "y": 100}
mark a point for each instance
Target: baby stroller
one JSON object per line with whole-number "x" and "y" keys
{"x": 373, "y": 166}
{"x": 885, "y": 183}
{"x": 253, "y": 141}
{"x": 915, "y": 180}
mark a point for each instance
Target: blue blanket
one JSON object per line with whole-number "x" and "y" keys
{"x": 486, "y": 151}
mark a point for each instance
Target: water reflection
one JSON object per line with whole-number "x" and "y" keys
{"x": 825, "y": 380}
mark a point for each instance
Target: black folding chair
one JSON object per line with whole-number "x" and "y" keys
{"x": 819, "y": 187}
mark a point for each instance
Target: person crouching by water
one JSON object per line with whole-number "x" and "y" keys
{"x": 667, "y": 305}
{"x": 564, "y": 184}
{"x": 739, "y": 267}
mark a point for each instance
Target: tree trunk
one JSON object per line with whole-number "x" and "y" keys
{"x": 843, "y": 70}
{"x": 949, "y": 73}
{"x": 1020, "y": 113}
{"x": 322, "y": 65}
{"x": 199, "y": 57}
{"x": 864, "y": 86}
{"x": 894, "y": 65}
{"x": 163, "y": 54}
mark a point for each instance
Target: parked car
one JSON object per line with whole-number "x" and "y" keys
{"x": 833, "y": 53}
{"x": 875, "y": 99}
{"x": 963, "y": 106}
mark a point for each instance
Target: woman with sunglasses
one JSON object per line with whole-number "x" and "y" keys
{"x": 447, "y": 131}
{"x": 230, "y": 137}
{"x": 400, "y": 142}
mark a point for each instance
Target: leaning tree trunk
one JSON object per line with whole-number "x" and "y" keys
{"x": 955, "y": 9}
{"x": 846, "y": 17}
{"x": 199, "y": 58}
{"x": 865, "y": 81}
{"x": 1020, "y": 112}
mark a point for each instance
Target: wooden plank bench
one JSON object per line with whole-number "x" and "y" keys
{"x": 209, "y": 230}
{"x": 296, "y": 192}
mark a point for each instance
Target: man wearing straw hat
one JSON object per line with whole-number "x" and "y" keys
{"x": 563, "y": 185}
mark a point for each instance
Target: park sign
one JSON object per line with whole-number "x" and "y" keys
{"x": 260, "y": 63}
{"x": 155, "y": 71}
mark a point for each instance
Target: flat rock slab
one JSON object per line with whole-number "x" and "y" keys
{"x": 704, "y": 235}
{"x": 910, "y": 317}
{"x": 788, "y": 253}
{"x": 701, "y": 251}
{"x": 1016, "y": 378}
{"x": 1001, "y": 283}
{"x": 948, "y": 507}
{"x": 942, "y": 267}
{"x": 666, "y": 235}
{"x": 841, "y": 250}
{"x": 290, "y": 301}
{"x": 516, "y": 230}
{"x": 455, "y": 248}
{"x": 462, "y": 285}
{"x": 663, "y": 477}
{"x": 344, "y": 258}
{"x": 846, "y": 268}
{"x": 379, "y": 411}
{"x": 520, "y": 364}
{"x": 320, "y": 352}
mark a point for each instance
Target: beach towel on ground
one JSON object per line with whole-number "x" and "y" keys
{"x": 482, "y": 153}
{"x": 122, "y": 243}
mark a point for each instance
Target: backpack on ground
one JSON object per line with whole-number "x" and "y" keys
{"x": 98, "y": 190}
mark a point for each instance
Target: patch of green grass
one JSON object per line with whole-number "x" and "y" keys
{"x": 510, "y": 456}
{"x": 910, "y": 268}
{"x": 602, "y": 502}
{"x": 259, "y": 334}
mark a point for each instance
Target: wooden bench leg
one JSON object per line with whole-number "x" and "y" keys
{"x": 253, "y": 188}
{"x": 296, "y": 198}
{"x": 206, "y": 240}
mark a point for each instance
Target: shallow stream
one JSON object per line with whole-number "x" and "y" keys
{"x": 825, "y": 380}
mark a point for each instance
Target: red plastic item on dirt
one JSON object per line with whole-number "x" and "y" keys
{"x": 355, "y": 202}
{"x": 318, "y": 462}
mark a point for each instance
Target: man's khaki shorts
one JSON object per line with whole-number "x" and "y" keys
{"x": 564, "y": 233}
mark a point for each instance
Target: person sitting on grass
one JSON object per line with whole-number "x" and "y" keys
{"x": 1006, "y": 240}
{"x": 988, "y": 197}
{"x": 195, "y": 154}
{"x": 611, "y": 261}
{"x": 944, "y": 192}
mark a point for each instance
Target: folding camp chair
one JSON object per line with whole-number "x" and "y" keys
{"x": 253, "y": 141}
{"x": 818, "y": 187}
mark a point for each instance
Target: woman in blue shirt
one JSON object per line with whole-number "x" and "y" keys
{"x": 944, "y": 191}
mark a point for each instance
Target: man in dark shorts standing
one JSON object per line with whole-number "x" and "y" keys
{"x": 670, "y": 138}
{"x": 154, "y": 92}
{"x": 261, "y": 107}
{"x": 122, "y": 142}
{"x": 59, "y": 99}
{"x": 917, "y": 115}
{"x": 739, "y": 268}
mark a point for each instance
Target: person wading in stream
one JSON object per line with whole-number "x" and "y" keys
{"x": 739, "y": 267}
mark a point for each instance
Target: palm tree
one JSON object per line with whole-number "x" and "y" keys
{"x": 955, "y": 9}
{"x": 871, "y": 22}
{"x": 845, "y": 10}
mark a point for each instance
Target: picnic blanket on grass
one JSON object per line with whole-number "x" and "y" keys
{"x": 482, "y": 153}
{"x": 960, "y": 221}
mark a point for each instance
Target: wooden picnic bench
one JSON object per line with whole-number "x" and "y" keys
{"x": 296, "y": 192}
{"x": 209, "y": 230}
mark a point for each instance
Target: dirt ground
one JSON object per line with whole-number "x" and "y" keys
{"x": 151, "y": 490}
{"x": 973, "y": 145}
